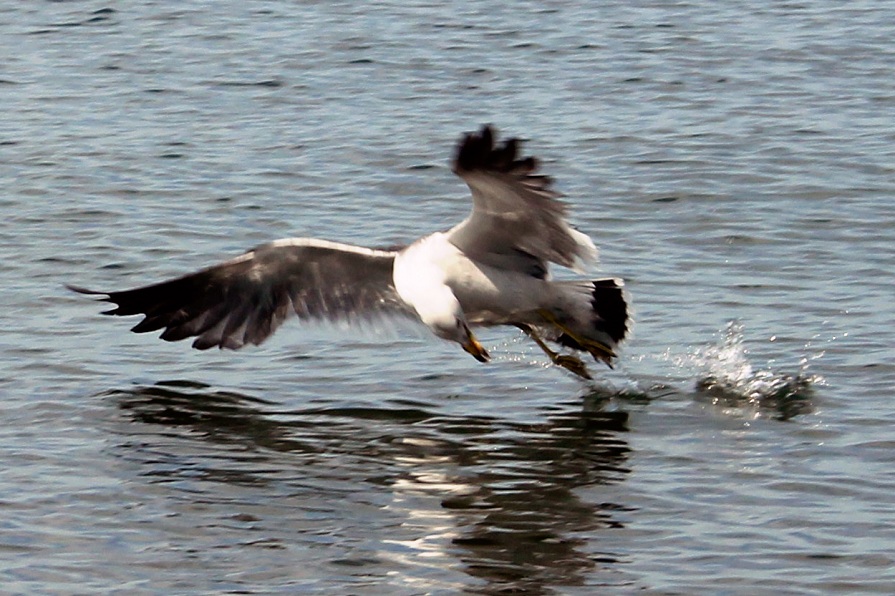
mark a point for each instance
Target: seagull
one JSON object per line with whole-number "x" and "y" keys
{"x": 491, "y": 269}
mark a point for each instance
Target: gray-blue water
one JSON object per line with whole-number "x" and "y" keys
{"x": 733, "y": 160}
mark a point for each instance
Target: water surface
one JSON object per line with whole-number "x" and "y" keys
{"x": 733, "y": 162}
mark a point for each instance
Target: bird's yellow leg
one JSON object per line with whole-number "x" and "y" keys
{"x": 570, "y": 363}
{"x": 600, "y": 351}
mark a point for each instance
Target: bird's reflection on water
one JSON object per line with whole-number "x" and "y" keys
{"x": 509, "y": 489}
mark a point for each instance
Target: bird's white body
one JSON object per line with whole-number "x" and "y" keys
{"x": 436, "y": 278}
{"x": 433, "y": 274}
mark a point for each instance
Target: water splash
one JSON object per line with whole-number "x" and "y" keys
{"x": 727, "y": 378}
{"x": 720, "y": 374}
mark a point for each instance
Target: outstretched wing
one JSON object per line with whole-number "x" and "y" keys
{"x": 517, "y": 220}
{"x": 245, "y": 299}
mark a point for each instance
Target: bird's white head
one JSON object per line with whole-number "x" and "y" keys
{"x": 442, "y": 313}
{"x": 419, "y": 278}
{"x": 444, "y": 316}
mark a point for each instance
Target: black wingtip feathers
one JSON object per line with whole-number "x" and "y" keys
{"x": 477, "y": 151}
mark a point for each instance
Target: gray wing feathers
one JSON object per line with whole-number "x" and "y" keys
{"x": 245, "y": 299}
{"x": 515, "y": 210}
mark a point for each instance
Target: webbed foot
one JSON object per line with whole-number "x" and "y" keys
{"x": 600, "y": 351}
{"x": 572, "y": 364}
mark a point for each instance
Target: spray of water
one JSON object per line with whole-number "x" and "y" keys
{"x": 720, "y": 374}
{"x": 726, "y": 377}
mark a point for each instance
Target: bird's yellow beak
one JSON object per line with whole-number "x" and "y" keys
{"x": 473, "y": 346}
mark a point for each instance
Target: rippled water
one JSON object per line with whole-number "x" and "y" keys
{"x": 733, "y": 161}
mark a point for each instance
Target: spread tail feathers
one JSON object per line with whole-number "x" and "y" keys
{"x": 606, "y": 327}
{"x": 610, "y": 308}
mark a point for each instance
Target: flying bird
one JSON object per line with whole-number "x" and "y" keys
{"x": 491, "y": 269}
